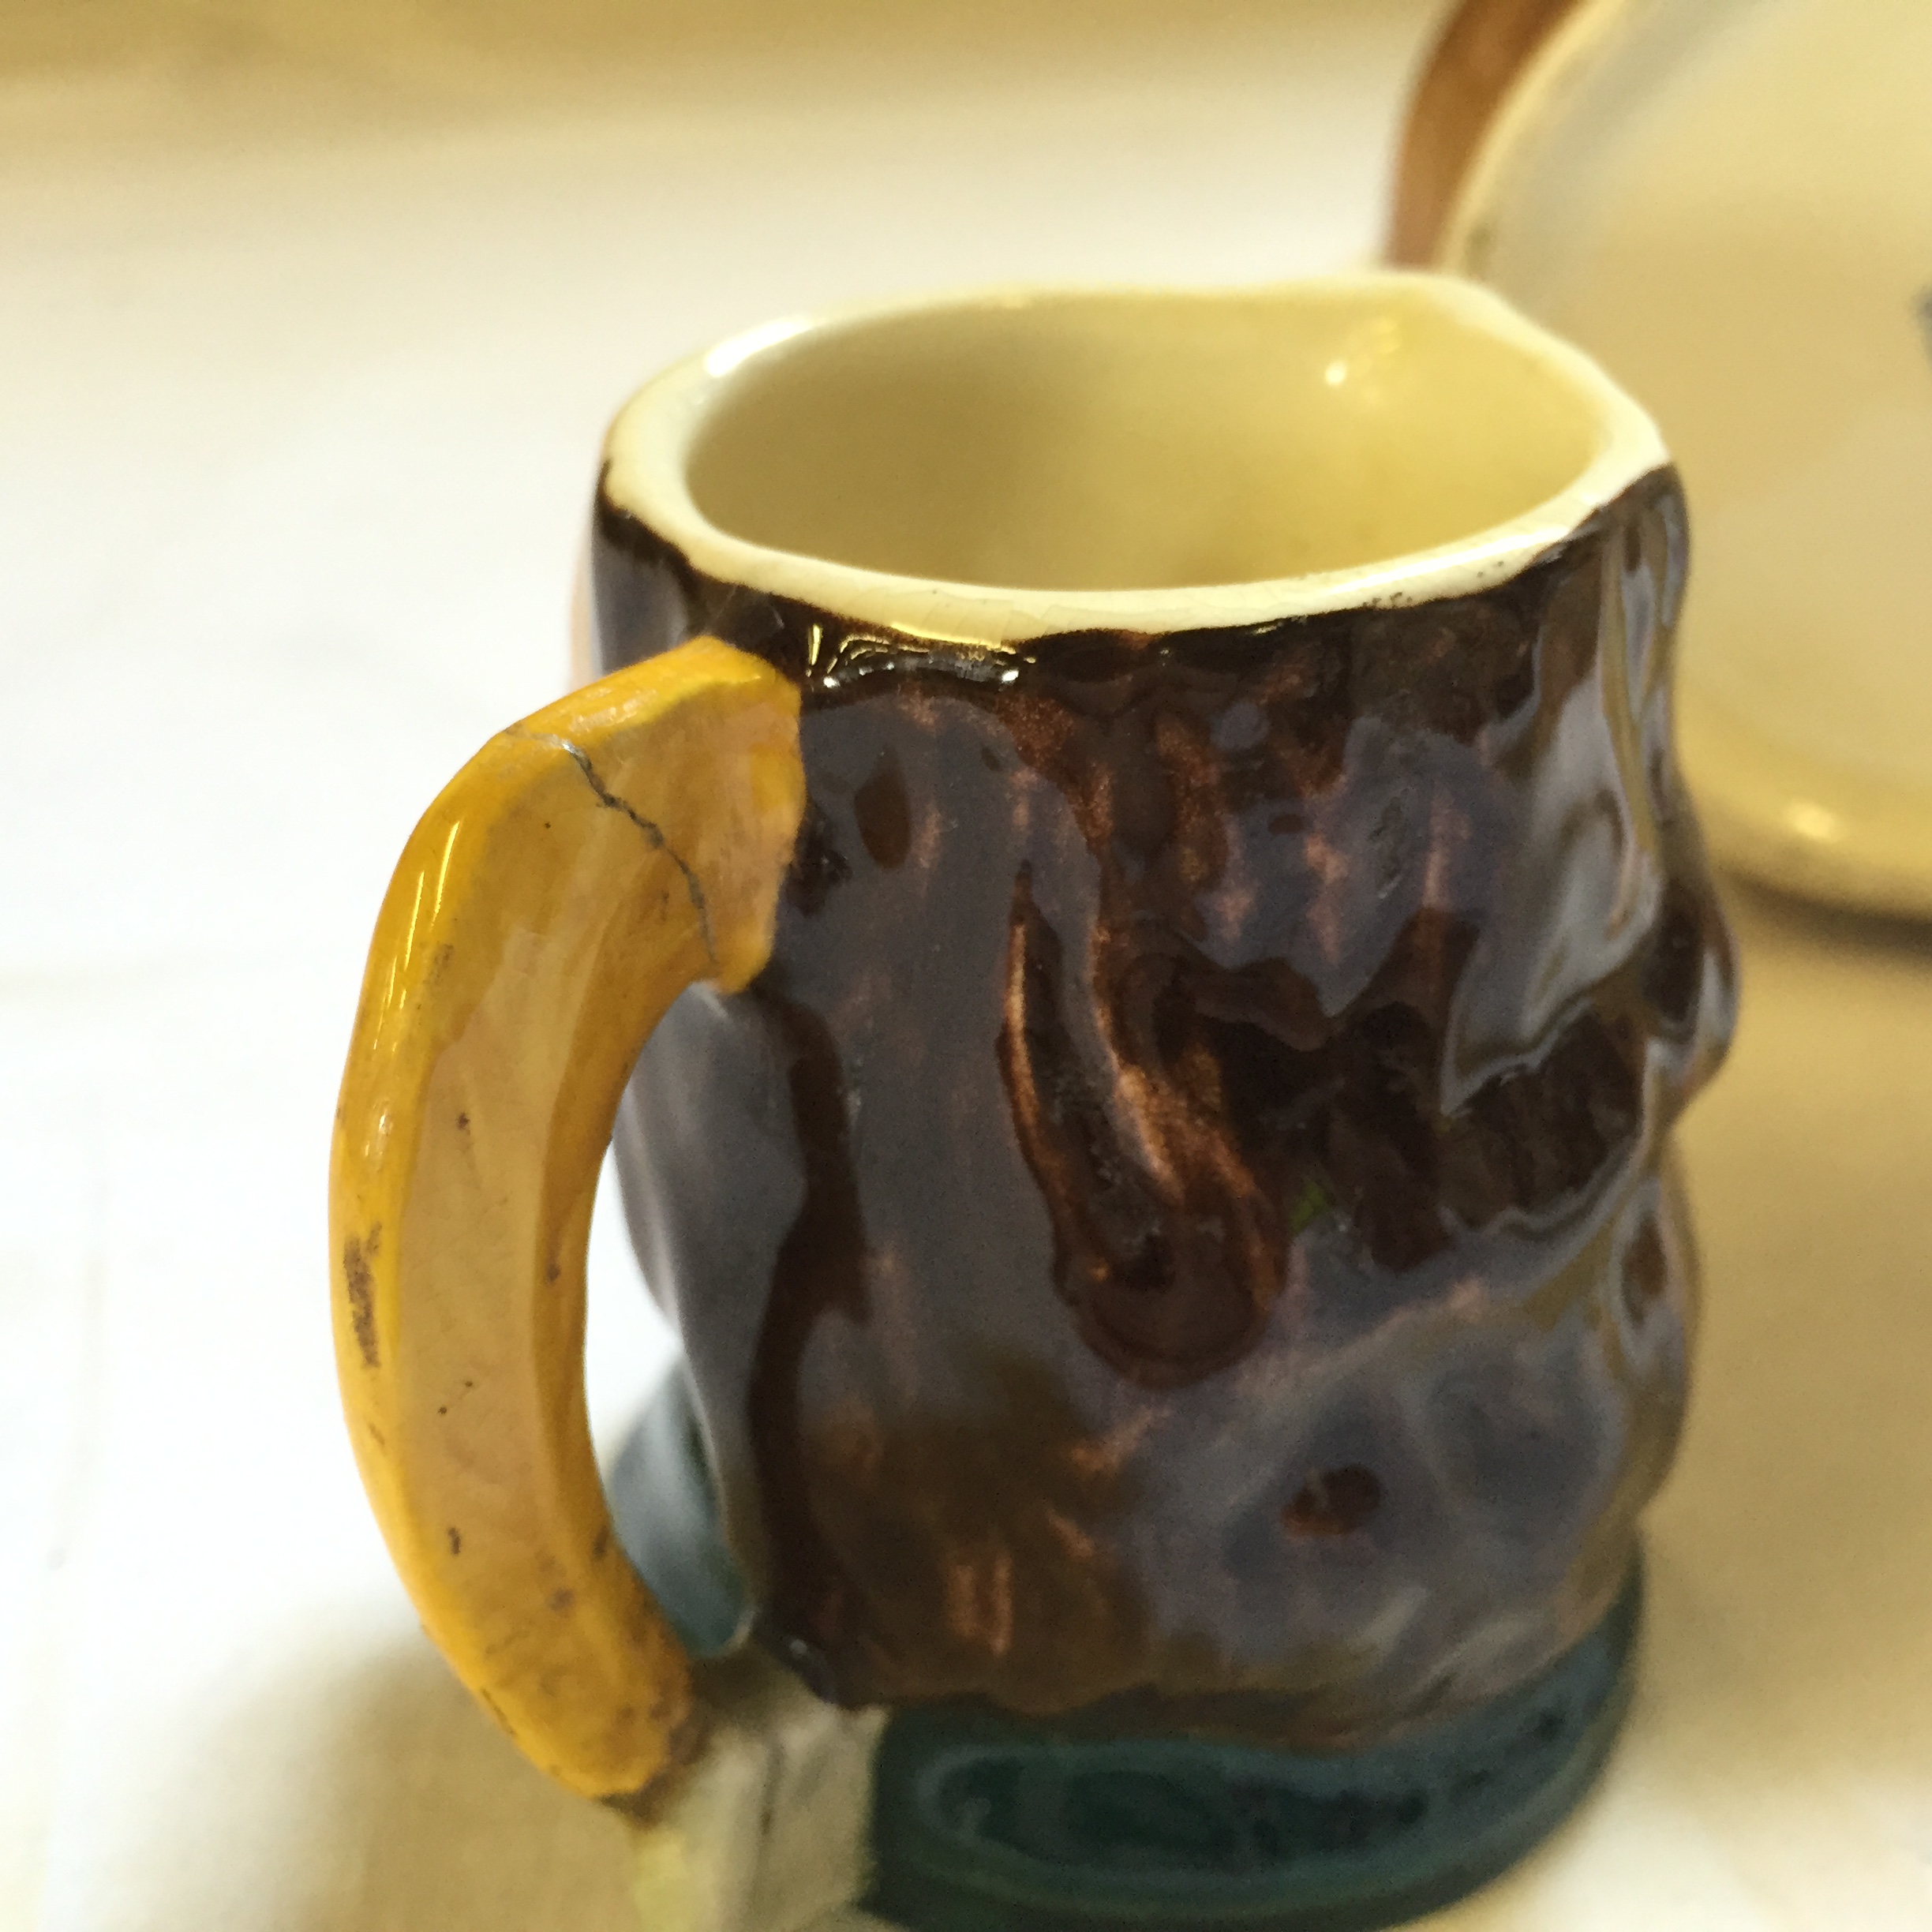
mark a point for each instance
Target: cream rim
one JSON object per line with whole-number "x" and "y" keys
{"x": 645, "y": 474}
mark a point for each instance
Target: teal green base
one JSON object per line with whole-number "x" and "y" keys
{"x": 985, "y": 1825}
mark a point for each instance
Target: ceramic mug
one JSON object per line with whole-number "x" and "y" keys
{"x": 1132, "y": 841}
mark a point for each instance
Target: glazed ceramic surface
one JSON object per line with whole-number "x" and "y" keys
{"x": 1727, "y": 201}
{"x": 1133, "y": 843}
{"x": 1181, "y": 1231}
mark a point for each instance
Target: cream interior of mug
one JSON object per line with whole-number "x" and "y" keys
{"x": 1314, "y": 444}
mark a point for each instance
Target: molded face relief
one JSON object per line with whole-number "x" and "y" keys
{"x": 1182, "y": 1228}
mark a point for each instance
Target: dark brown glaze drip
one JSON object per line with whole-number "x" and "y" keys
{"x": 819, "y": 1268}
{"x": 1334, "y": 1502}
{"x": 1647, "y": 1272}
{"x": 883, "y": 814}
{"x": 1225, "y": 1278}
{"x": 1166, "y": 1289}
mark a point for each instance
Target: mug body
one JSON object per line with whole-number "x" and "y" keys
{"x": 1182, "y": 1234}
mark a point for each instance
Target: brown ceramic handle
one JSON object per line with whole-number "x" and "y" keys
{"x": 581, "y": 871}
{"x": 1483, "y": 47}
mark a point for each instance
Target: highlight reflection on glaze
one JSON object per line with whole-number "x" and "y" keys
{"x": 1183, "y": 1227}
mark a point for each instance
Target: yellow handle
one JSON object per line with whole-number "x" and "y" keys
{"x": 581, "y": 871}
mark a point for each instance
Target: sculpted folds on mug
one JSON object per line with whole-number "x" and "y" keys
{"x": 1182, "y": 1231}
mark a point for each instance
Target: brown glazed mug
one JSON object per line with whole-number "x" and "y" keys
{"x": 1167, "y": 943}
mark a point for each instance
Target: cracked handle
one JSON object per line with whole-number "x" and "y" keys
{"x": 581, "y": 871}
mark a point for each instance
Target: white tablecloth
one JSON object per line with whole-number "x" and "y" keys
{"x": 311, "y": 321}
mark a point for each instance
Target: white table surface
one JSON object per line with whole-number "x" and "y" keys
{"x": 309, "y": 322}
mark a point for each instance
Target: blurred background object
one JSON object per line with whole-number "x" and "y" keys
{"x": 1730, "y": 202}
{"x": 312, "y": 318}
